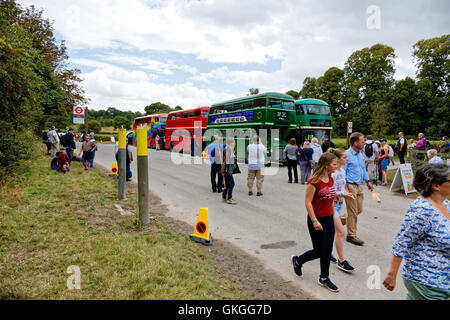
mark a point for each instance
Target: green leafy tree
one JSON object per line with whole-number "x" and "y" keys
{"x": 293, "y": 94}
{"x": 121, "y": 121}
{"x": 157, "y": 107}
{"x": 368, "y": 75}
{"x": 380, "y": 119}
{"x": 433, "y": 63}
{"x": 94, "y": 126}
{"x": 309, "y": 89}
{"x": 253, "y": 91}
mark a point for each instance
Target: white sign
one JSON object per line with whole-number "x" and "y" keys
{"x": 78, "y": 115}
{"x": 404, "y": 177}
{"x": 350, "y": 127}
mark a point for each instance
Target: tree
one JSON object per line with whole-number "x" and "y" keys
{"x": 369, "y": 73}
{"x": 380, "y": 119}
{"x": 309, "y": 89}
{"x": 157, "y": 107}
{"x": 433, "y": 63}
{"x": 94, "y": 126}
{"x": 121, "y": 121}
{"x": 293, "y": 94}
{"x": 253, "y": 91}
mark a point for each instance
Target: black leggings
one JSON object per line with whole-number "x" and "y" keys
{"x": 322, "y": 245}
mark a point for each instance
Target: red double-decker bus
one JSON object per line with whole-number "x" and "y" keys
{"x": 180, "y": 128}
{"x": 155, "y": 125}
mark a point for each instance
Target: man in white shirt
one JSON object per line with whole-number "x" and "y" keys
{"x": 256, "y": 160}
{"x": 53, "y": 139}
{"x": 370, "y": 152}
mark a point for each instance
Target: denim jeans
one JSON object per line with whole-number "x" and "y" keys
{"x": 322, "y": 245}
{"x": 229, "y": 186}
{"x": 92, "y": 159}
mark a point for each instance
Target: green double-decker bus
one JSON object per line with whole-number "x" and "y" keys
{"x": 263, "y": 113}
{"x": 313, "y": 118}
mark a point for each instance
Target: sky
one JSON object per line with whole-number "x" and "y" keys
{"x": 199, "y": 52}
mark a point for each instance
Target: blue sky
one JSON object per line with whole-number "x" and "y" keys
{"x": 196, "y": 53}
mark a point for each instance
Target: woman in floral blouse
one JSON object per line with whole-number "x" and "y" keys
{"x": 424, "y": 239}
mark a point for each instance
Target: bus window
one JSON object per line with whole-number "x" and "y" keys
{"x": 260, "y": 102}
{"x": 178, "y": 115}
{"x": 228, "y": 108}
{"x": 163, "y": 119}
{"x": 247, "y": 105}
{"x": 288, "y": 105}
{"x": 299, "y": 110}
{"x": 204, "y": 114}
{"x": 190, "y": 114}
{"x": 197, "y": 114}
{"x": 274, "y": 103}
{"x": 156, "y": 119}
{"x": 316, "y": 109}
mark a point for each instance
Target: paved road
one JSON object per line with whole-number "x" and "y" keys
{"x": 278, "y": 219}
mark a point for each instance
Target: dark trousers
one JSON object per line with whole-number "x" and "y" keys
{"x": 322, "y": 245}
{"x": 401, "y": 157}
{"x": 69, "y": 152}
{"x": 292, "y": 165}
{"x": 215, "y": 171}
{"x": 229, "y": 186}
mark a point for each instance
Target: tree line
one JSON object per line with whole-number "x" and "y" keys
{"x": 366, "y": 93}
{"x": 36, "y": 86}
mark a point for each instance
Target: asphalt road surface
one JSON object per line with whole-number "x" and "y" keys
{"x": 273, "y": 227}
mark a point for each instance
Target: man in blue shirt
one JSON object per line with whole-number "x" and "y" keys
{"x": 356, "y": 175}
{"x": 214, "y": 152}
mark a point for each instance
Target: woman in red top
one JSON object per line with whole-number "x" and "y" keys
{"x": 319, "y": 198}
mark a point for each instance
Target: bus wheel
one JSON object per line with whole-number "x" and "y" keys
{"x": 171, "y": 147}
{"x": 269, "y": 164}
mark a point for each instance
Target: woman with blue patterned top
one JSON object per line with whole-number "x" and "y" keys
{"x": 424, "y": 239}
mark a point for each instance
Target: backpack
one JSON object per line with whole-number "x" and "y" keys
{"x": 65, "y": 140}
{"x": 54, "y": 163}
{"x": 391, "y": 152}
{"x": 368, "y": 150}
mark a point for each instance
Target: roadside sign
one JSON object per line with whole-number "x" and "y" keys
{"x": 350, "y": 127}
{"x": 403, "y": 177}
{"x": 78, "y": 115}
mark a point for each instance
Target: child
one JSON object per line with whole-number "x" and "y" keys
{"x": 63, "y": 161}
{"x": 341, "y": 193}
{"x": 319, "y": 198}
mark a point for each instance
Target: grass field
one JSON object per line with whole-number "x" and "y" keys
{"x": 50, "y": 221}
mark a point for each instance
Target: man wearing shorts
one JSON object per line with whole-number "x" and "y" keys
{"x": 88, "y": 147}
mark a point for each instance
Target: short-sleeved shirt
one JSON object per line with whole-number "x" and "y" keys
{"x": 53, "y": 136}
{"x": 424, "y": 244}
{"x": 256, "y": 156}
{"x": 323, "y": 197}
{"x": 291, "y": 151}
{"x": 339, "y": 180}
{"x": 87, "y": 146}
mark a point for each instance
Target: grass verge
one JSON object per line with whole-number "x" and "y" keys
{"x": 50, "y": 221}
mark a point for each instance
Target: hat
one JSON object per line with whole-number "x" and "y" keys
{"x": 383, "y": 140}
{"x": 91, "y": 134}
{"x": 377, "y": 141}
{"x": 52, "y": 128}
{"x": 70, "y": 129}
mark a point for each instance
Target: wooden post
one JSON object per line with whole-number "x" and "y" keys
{"x": 142, "y": 155}
{"x": 86, "y": 121}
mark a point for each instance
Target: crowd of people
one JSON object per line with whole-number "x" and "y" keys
{"x": 335, "y": 178}
{"x": 62, "y": 148}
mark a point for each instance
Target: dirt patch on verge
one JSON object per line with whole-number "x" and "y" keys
{"x": 247, "y": 271}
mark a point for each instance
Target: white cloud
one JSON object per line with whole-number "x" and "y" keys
{"x": 305, "y": 37}
{"x": 133, "y": 90}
